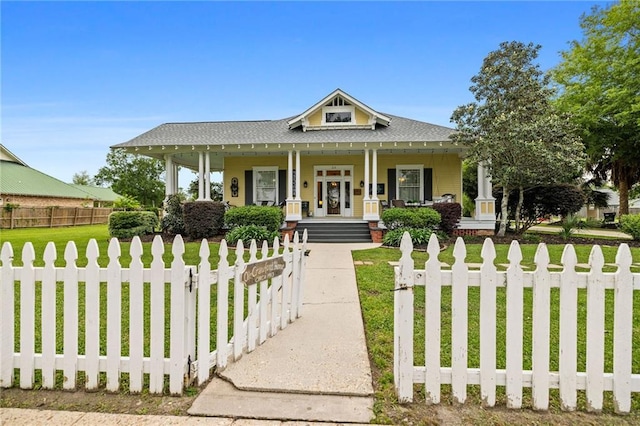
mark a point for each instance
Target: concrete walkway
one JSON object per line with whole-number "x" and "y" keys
{"x": 588, "y": 232}
{"x": 317, "y": 369}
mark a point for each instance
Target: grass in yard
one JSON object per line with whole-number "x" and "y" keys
{"x": 375, "y": 282}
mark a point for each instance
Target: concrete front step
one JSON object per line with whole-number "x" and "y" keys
{"x": 222, "y": 399}
{"x": 347, "y": 232}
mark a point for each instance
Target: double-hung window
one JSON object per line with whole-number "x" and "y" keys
{"x": 265, "y": 184}
{"x": 409, "y": 182}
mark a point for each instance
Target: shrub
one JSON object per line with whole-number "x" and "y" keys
{"x": 126, "y": 203}
{"x": 450, "y": 214}
{"x": 246, "y": 233}
{"x": 569, "y": 224}
{"x": 419, "y": 236}
{"x": 270, "y": 218}
{"x": 129, "y": 224}
{"x": 172, "y": 222}
{"x": 395, "y": 218}
{"x": 468, "y": 206}
{"x": 203, "y": 219}
{"x": 630, "y": 224}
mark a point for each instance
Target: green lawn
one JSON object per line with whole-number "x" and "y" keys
{"x": 375, "y": 282}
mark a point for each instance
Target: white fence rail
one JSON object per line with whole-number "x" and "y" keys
{"x": 594, "y": 381}
{"x": 273, "y": 286}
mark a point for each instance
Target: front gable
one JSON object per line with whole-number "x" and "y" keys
{"x": 339, "y": 110}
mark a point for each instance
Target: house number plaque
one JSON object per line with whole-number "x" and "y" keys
{"x": 263, "y": 270}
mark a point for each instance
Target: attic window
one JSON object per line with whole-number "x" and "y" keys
{"x": 338, "y": 115}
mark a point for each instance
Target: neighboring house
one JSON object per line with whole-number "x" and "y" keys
{"x": 102, "y": 197}
{"x": 21, "y": 185}
{"x": 593, "y": 212}
{"x": 320, "y": 163}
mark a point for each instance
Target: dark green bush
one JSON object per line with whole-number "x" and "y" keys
{"x": 203, "y": 219}
{"x": 270, "y": 218}
{"x": 630, "y": 224}
{"x": 128, "y": 224}
{"x": 450, "y": 214}
{"x": 172, "y": 223}
{"x": 246, "y": 233}
{"x": 419, "y": 236}
{"x": 395, "y": 218}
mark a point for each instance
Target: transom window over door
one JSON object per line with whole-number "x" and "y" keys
{"x": 409, "y": 182}
{"x": 265, "y": 185}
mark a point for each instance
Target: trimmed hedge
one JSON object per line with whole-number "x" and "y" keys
{"x": 423, "y": 217}
{"x": 419, "y": 236}
{"x": 128, "y": 224}
{"x": 203, "y": 219}
{"x": 270, "y": 218}
{"x": 450, "y": 214}
{"x": 246, "y": 233}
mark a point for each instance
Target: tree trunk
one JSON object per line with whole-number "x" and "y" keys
{"x": 519, "y": 207}
{"x": 623, "y": 192}
{"x": 505, "y": 213}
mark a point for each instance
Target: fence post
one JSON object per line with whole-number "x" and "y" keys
{"x": 70, "y": 316}
{"x": 136, "y": 321}
{"x": 176, "y": 350}
{"x": 27, "y": 317}
{"x": 541, "y": 328}
{"x": 459, "y": 322}
{"x": 432, "y": 324}
{"x": 222, "y": 322}
{"x": 488, "y": 279}
{"x": 515, "y": 292}
{"x": 7, "y": 316}
{"x": 403, "y": 323}
{"x": 157, "y": 338}
{"x": 567, "y": 363}
{"x": 239, "y": 338}
{"x": 622, "y": 331}
{"x": 204, "y": 312}
{"x": 595, "y": 331}
{"x": 49, "y": 291}
{"x": 114, "y": 316}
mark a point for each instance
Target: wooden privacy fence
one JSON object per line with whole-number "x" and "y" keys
{"x": 97, "y": 336}
{"x": 50, "y": 217}
{"x": 594, "y": 381}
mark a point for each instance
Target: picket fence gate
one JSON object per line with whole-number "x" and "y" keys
{"x": 594, "y": 381}
{"x": 273, "y": 286}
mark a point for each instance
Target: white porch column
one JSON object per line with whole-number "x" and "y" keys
{"x": 174, "y": 177}
{"x": 366, "y": 174}
{"x": 374, "y": 177}
{"x": 168, "y": 175}
{"x": 298, "y": 173}
{"x": 200, "y": 176}
{"x": 294, "y": 205}
{"x": 290, "y": 175}
{"x": 485, "y": 203}
{"x": 370, "y": 202}
{"x": 207, "y": 177}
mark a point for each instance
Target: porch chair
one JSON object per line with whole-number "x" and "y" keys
{"x": 398, "y": 203}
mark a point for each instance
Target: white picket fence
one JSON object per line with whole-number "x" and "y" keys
{"x": 594, "y": 381}
{"x": 272, "y": 303}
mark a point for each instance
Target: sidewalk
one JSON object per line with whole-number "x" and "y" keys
{"x": 316, "y": 370}
{"x": 589, "y": 232}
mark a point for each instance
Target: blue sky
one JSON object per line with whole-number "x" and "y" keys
{"x": 78, "y": 77}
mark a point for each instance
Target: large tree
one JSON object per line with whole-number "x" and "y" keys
{"x": 512, "y": 127}
{"x": 133, "y": 175}
{"x": 599, "y": 79}
{"x": 82, "y": 178}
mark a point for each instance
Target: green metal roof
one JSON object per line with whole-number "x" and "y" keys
{"x": 18, "y": 179}
{"x": 98, "y": 193}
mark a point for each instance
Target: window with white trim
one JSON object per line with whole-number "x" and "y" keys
{"x": 410, "y": 181}
{"x": 265, "y": 185}
{"x": 338, "y": 115}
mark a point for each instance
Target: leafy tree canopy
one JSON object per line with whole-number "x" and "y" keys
{"x": 599, "y": 78}
{"x": 82, "y": 178}
{"x": 513, "y": 128}
{"x": 134, "y": 176}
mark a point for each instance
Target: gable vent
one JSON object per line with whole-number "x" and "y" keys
{"x": 338, "y": 101}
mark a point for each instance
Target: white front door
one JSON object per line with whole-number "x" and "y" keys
{"x": 333, "y": 193}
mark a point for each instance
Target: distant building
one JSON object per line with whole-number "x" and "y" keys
{"x": 20, "y": 185}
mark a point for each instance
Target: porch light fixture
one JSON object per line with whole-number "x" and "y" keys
{"x": 361, "y": 184}
{"x": 305, "y": 184}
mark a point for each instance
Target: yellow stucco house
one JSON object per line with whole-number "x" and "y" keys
{"x": 338, "y": 159}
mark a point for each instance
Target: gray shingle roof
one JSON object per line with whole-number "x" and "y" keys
{"x": 277, "y": 131}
